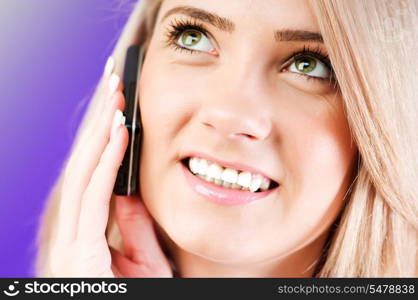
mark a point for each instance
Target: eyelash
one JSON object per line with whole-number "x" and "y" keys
{"x": 177, "y": 27}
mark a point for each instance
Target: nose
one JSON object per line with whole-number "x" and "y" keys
{"x": 238, "y": 111}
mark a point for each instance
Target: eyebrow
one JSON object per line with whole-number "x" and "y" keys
{"x": 226, "y": 25}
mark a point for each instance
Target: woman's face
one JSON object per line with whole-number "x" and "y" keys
{"x": 257, "y": 94}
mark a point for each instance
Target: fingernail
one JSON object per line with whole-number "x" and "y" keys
{"x": 113, "y": 83}
{"x": 118, "y": 119}
{"x": 110, "y": 64}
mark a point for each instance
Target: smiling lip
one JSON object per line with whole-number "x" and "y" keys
{"x": 221, "y": 195}
{"x": 236, "y": 166}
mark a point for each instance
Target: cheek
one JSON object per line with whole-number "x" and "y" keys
{"x": 320, "y": 148}
{"x": 168, "y": 101}
{"x": 318, "y": 156}
{"x": 159, "y": 101}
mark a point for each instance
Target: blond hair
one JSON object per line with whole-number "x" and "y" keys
{"x": 371, "y": 47}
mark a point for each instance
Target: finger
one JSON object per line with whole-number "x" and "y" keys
{"x": 114, "y": 85}
{"x": 106, "y": 88}
{"x": 96, "y": 198}
{"x": 124, "y": 267}
{"x": 114, "y": 94}
{"x": 113, "y": 90}
{"x": 139, "y": 239}
{"x": 78, "y": 175}
{"x": 115, "y": 266}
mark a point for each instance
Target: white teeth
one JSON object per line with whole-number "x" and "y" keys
{"x": 208, "y": 178}
{"x": 265, "y": 184}
{"x": 244, "y": 179}
{"x": 193, "y": 165}
{"x": 229, "y": 175}
{"x": 218, "y": 181}
{"x": 214, "y": 171}
{"x": 236, "y": 186}
{"x": 256, "y": 183}
{"x": 202, "y": 166}
{"x": 226, "y": 184}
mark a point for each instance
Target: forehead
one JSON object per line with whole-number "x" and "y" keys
{"x": 262, "y": 14}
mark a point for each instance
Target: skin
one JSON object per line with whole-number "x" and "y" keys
{"x": 233, "y": 103}
{"x": 80, "y": 248}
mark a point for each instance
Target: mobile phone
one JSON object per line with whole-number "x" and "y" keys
{"x": 127, "y": 179}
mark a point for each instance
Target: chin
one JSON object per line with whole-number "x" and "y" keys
{"x": 215, "y": 245}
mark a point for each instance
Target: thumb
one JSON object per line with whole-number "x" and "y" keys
{"x": 139, "y": 239}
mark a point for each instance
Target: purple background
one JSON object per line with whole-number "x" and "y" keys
{"x": 52, "y": 55}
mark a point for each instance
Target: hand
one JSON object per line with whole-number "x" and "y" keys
{"x": 81, "y": 248}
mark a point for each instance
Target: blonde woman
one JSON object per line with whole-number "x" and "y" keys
{"x": 316, "y": 101}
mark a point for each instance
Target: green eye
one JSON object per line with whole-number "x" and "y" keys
{"x": 191, "y": 37}
{"x": 305, "y": 64}
{"x": 194, "y": 40}
{"x": 310, "y": 66}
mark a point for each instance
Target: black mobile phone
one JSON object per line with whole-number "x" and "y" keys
{"x": 127, "y": 179}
